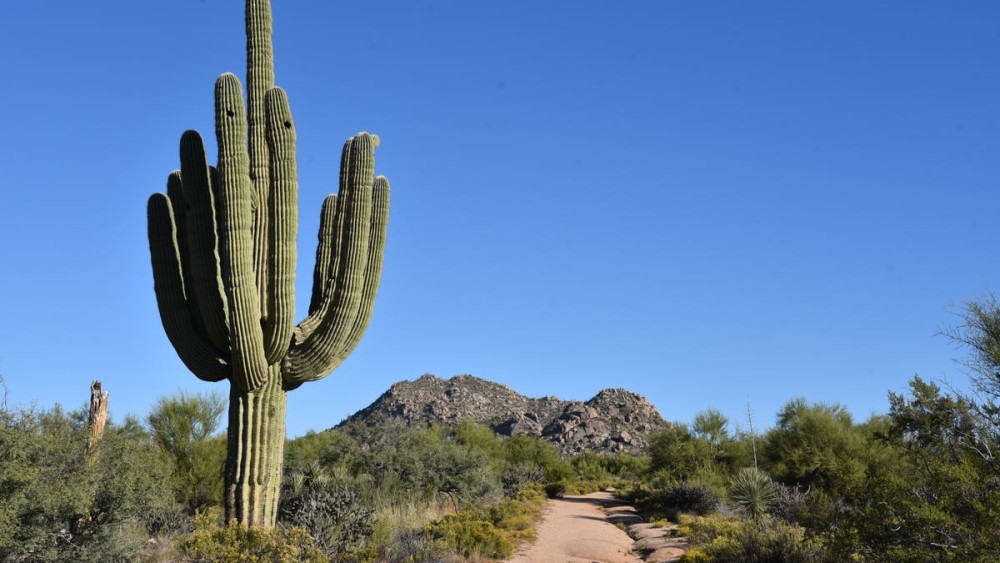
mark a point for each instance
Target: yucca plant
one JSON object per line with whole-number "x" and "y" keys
{"x": 753, "y": 492}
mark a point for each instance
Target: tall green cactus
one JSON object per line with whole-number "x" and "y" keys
{"x": 222, "y": 241}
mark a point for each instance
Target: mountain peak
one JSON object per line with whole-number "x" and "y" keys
{"x": 613, "y": 420}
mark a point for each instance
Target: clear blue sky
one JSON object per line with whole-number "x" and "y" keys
{"x": 702, "y": 202}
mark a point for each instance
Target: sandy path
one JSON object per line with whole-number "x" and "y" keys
{"x": 574, "y": 529}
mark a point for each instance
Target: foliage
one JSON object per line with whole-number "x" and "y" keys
{"x": 535, "y": 452}
{"x": 490, "y": 532}
{"x": 327, "y": 448}
{"x": 980, "y": 333}
{"x": 815, "y": 445}
{"x": 711, "y": 425}
{"x": 61, "y": 504}
{"x": 753, "y": 492}
{"x": 682, "y": 497}
{"x": 428, "y": 462}
{"x": 678, "y": 453}
{"x": 556, "y": 489}
{"x": 334, "y": 515}
{"x": 515, "y": 477}
{"x": 182, "y": 426}
{"x": 232, "y": 543}
{"x": 470, "y": 535}
{"x": 943, "y": 502}
{"x": 730, "y": 540}
{"x": 605, "y": 468}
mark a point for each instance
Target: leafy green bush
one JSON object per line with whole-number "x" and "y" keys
{"x": 555, "y": 490}
{"x": 61, "y": 503}
{"x": 515, "y": 477}
{"x": 492, "y": 531}
{"x": 682, "y": 497}
{"x": 327, "y": 448}
{"x": 527, "y": 451}
{"x": 590, "y": 466}
{"x": 816, "y": 445}
{"x": 184, "y": 427}
{"x": 677, "y": 453}
{"x": 471, "y": 534}
{"x": 232, "y": 543}
{"x": 730, "y": 540}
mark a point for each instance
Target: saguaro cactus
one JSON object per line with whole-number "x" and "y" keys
{"x": 222, "y": 241}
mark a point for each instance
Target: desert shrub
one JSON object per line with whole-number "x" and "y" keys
{"x": 670, "y": 500}
{"x": 470, "y": 534}
{"x": 327, "y": 448}
{"x": 581, "y": 487}
{"x": 162, "y": 522}
{"x": 816, "y": 445}
{"x": 515, "y": 477}
{"x": 232, "y": 543}
{"x": 701, "y": 530}
{"x": 943, "y": 502}
{"x": 681, "y": 497}
{"x": 61, "y": 503}
{"x": 676, "y": 453}
{"x": 184, "y": 427}
{"x": 555, "y": 490}
{"x": 590, "y": 466}
{"x": 732, "y": 540}
{"x": 334, "y": 515}
{"x": 518, "y": 516}
{"x": 428, "y": 463}
{"x": 399, "y": 533}
{"x": 530, "y": 451}
{"x": 791, "y": 504}
{"x": 626, "y": 466}
{"x": 753, "y": 492}
{"x": 478, "y": 437}
{"x": 491, "y": 531}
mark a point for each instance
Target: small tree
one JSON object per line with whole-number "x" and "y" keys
{"x": 183, "y": 426}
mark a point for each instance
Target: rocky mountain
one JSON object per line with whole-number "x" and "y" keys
{"x": 614, "y": 420}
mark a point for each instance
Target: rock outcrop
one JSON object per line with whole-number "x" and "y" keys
{"x": 614, "y": 420}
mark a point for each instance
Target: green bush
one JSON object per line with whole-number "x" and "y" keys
{"x": 60, "y": 503}
{"x": 335, "y": 516}
{"x": 816, "y": 445}
{"x": 730, "y": 540}
{"x": 515, "y": 477}
{"x": 489, "y": 532}
{"x": 232, "y": 543}
{"x": 555, "y": 490}
{"x": 184, "y": 427}
{"x": 527, "y": 451}
{"x": 327, "y": 448}
{"x": 471, "y": 534}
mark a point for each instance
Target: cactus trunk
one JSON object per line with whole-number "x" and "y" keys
{"x": 256, "y": 451}
{"x": 222, "y": 242}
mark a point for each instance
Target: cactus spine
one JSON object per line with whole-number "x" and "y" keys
{"x": 222, "y": 242}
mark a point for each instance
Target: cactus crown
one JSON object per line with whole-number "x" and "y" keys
{"x": 222, "y": 240}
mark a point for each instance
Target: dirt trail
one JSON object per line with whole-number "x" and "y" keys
{"x": 576, "y": 529}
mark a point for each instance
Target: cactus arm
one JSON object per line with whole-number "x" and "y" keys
{"x": 373, "y": 270}
{"x": 233, "y": 193}
{"x": 260, "y": 79}
{"x": 282, "y": 226}
{"x": 179, "y": 207}
{"x": 331, "y": 237}
{"x": 324, "y": 251}
{"x": 202, "y": 276}
{"x": 197, "y": 354}
{"x": 314, "y": 355}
